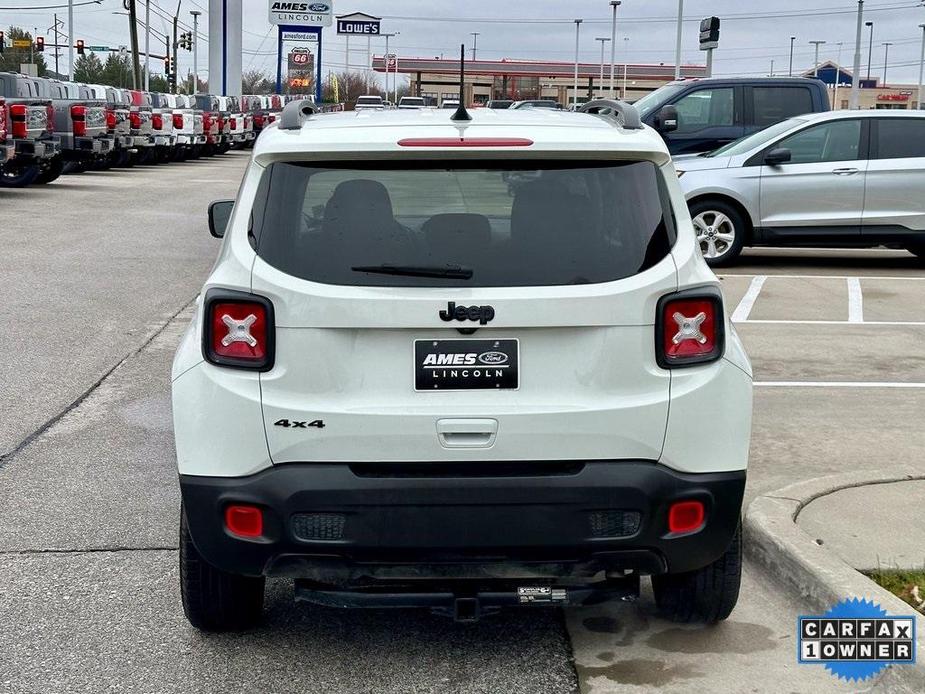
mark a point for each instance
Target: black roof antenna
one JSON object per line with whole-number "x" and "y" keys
{"x": 461, "y": 112}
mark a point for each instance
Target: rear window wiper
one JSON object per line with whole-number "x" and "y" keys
{"x": 449, "y": 271}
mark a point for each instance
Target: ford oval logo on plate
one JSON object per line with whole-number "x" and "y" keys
{"x": 493, "y": 357}
{"x": 318, "y": 7}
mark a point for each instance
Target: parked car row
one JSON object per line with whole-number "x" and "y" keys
{"x": 50, "y": 127}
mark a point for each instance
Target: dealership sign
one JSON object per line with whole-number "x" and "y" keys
{"x": 300, "y": 36}
{"x": 358, "y": 23}
{"x": 313, "y": 14}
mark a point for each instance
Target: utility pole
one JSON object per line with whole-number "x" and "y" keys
{"x": 886, "y": 58}
{"x": 613, "y": 44}
{"x": 133, "y": 34}
{"x": 57, "y": 53}
{"x": 475, "y": 43}
{"x": 677, "y": 49}
{"x": 870, "y": 49}
{"x": 195, "y": 14}
{"x": 856, "y": 77}
{"x": 70, "y": 40}
{"x": 603, "y": 41}
{"x": 176, "y": 60}
{"x": 771, "y": 74}
{"x": 577, "y": 35}
{"x": 790, "y": 69}
{"x": 816, "y": 59}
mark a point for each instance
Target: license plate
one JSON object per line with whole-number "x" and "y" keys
{"x": 466, "y": 364}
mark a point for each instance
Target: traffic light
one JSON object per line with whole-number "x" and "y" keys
{"x": 40, "y": 44}
{"x": 173, "y": 65}
{"x": 80, "y": 46}
{"x": 167, "y": 66}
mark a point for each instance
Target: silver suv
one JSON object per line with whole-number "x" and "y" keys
{"x": 846, "y": 178}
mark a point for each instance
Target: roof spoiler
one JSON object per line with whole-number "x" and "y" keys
{"x": 625, "y": 114}
{"x": 295, "y": 112}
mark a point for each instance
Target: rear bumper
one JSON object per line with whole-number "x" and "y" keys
{"x": 142, "y": 141}
{"x": 39, "y": 149}
{"x": 349, "y": 525}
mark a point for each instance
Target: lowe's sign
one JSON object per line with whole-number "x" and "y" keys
{"x": 313, "y": 14}
{"x": 358, "y": 24}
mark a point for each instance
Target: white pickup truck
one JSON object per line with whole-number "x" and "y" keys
{"x": 187, "y": 126}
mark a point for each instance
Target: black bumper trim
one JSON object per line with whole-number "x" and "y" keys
{"x": 421, "y": 527}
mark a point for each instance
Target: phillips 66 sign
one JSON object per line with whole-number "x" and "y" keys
{"x": 313, "y": 14}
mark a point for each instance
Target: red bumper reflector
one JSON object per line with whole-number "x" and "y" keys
{"x": 244, "y": 521}
{"x": 685, "y": 516}
{"x": 465, "y": 142}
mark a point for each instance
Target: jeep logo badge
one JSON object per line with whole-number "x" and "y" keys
{"x": 482, "y": 314}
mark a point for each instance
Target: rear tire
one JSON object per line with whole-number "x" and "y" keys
{"x": 720, "y": 231}
{"x": 707, "y": 595}
{"x": 215, "y": 600}
{"x": 50, "y": 172}
{"x": 18, "y": 176}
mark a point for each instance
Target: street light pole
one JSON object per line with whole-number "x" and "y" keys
{"x": 147, "y": 45}
{"x": 886, "y": 58}
{"x": 856, "y": 77}
{"x": 677, "y": 50}
{"x": 70, "y": 40}
{"x": 577, "y": 35}
{"x": 922, "y": 71}
{"x": 790, "y": 70}
{"x": 613, "y": 43}
{"x": 603, "y": 41}
{"x": 475, "y": 43}
{"x": 870, "y": 49}
{"x": 816, "y": 59}
{"x": 626, "y": 54}
{"x": 195, "y": 14}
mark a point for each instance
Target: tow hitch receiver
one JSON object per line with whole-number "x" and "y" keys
{"x": 467, "y": 605}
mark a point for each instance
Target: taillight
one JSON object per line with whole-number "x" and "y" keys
{"x": 18, "y": 119}
{"x": 258, "y": 120}
{"x": 79, "y": 115}
{"x": 233, "y": 123}
{"x": 272, "y": 118}
{"x": 2, "y": 122}
{"x": 238, "y": 330}
{"x": 178, "y": 121}
{"x": 50, "y": 119}
{"x": 689, "y": 328}
{"x": 135, "y": 120}
{"x": 111, "y": 121}
{"x": 157, "y": 121}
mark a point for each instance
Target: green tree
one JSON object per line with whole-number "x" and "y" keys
{"x": 117, "y": 72}
{"x": 88, "y": 68}
{"x": 12, "y": 57}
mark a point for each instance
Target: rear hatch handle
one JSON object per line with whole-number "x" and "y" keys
{"x": 467, "y": 433}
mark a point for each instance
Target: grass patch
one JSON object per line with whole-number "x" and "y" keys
{"x": 906, "y": 585}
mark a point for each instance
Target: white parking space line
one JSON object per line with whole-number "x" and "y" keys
{"x": 917, "y": 278}
{"x": 748, "y": 301}
{"x": 855, "y": 301}
{"x": 832, "y": 322}
{"x": 836, "y": 384}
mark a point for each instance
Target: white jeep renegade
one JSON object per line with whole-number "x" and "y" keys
{"x": 460, "y": 362}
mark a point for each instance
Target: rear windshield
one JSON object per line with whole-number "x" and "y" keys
{"x": 486, "y": 224}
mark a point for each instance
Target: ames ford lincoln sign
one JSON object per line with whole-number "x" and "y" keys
{"x": 316, "y": 14}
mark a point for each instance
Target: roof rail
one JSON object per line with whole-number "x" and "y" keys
{"x": 295, "y": 112}
{"x": 625, "y": 114}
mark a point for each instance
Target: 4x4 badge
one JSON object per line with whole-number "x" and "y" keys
{"x": 482, "y": 314}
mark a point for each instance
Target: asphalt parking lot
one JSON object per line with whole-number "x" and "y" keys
{"x": 95, "y": 296}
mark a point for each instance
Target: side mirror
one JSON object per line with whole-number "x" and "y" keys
{"x": 778, "y": 156}
{"x": 219, "y": 214}
{"x": 667, "y": 119}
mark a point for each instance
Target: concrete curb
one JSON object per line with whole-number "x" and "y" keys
{"x": 817, "y": 575}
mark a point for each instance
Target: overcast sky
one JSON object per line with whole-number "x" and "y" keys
{"x": 753, "y": 31}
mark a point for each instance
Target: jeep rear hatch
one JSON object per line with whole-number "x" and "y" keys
{"x": 471, "y": 310}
